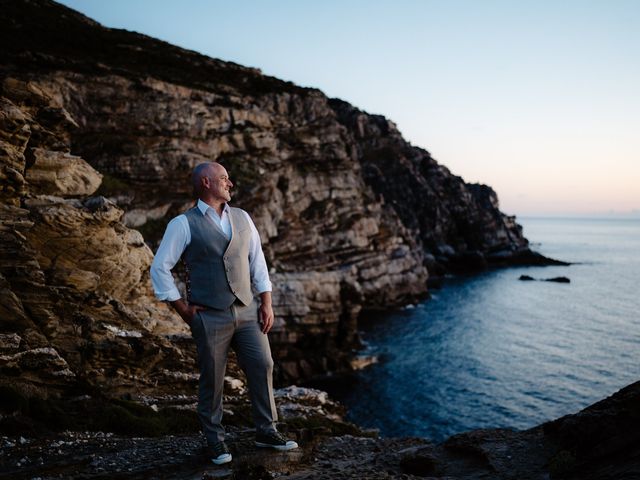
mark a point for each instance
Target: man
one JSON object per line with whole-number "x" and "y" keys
{"x": 225, "y": 265}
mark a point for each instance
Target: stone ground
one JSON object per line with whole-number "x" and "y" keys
{"x": 90, "y": 455}
{"x": 308, "y": 416}
{"x": 351, "y": 457}
{"x": 601, "y": 442}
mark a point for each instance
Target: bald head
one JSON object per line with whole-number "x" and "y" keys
{"x": 211, "y": 183}
{"x": 202, "y": 171}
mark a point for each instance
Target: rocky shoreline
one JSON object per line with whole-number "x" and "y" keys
{"x": 600, "y": 442}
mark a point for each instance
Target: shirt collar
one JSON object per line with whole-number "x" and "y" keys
{"x": 203, "y": 207}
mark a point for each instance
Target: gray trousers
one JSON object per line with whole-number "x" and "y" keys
{"x": 214, "y": 331}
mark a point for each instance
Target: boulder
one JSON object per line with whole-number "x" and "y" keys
{"x": 62, "y": 174}
{"x": 558, "y": 280}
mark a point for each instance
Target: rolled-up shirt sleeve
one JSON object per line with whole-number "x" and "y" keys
{"x": 175, "y": 240}
{"x": 257, "y": 264}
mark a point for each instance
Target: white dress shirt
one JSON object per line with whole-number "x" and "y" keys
{"x": 178, "y": 236}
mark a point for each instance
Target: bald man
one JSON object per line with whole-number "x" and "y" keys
{"x": 220, "y": 247}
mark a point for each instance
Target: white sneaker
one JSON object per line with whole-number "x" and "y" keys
{"x": 274, "y": 440}
{"x": 219, "y": 453}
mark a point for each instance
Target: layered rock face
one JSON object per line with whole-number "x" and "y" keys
{"x": 331, "y": 246}
{"x": 351, "y": 216}
{"x": 459, "y": 225}
{"x": 77, "y": 307}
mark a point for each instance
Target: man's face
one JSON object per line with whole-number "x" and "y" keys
{"x": 220, "y": 185}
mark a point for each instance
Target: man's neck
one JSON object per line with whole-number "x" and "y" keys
{"x": 217, "y": 205}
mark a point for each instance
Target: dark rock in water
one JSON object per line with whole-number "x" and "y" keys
{"x": 554, "y": 279}
{"x": 522, "y": 257}
{"x": 558, "y": 280}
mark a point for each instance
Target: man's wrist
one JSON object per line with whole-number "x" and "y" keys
{"x": 179, "y": 305}
{"x": 265, "y": 298}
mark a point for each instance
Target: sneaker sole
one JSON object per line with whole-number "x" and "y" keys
{"x": 282, "y": 448}
{"x": 222, "y": 459}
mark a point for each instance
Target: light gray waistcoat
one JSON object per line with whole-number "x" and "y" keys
{"x": 218, "y": 269}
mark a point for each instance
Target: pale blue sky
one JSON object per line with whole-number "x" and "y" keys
{"x": 539, "y": 99}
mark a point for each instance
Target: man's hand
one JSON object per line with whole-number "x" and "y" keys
{"x": 265, "y": 312}
{"x": 186, "y": 311}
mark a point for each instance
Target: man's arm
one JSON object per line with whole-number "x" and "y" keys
{"x": 260, "y": 277}
{"x": 176, "y": 238}
{"x": 266, "y": 312}
{"x": 186, "y": 311}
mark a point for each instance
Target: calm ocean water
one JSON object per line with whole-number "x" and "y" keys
{"x": 492, "y": 351}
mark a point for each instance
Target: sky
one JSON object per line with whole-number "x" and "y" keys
{"x": 538, "y": 99}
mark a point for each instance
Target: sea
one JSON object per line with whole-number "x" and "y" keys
{"x": 489, "y": 350}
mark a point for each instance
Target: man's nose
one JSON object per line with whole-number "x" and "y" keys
{"x": 230, "y": 183}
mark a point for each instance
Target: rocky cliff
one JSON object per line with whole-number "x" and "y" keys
{"x": 99, "y": 130}
{"x": 77, "y": 309}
